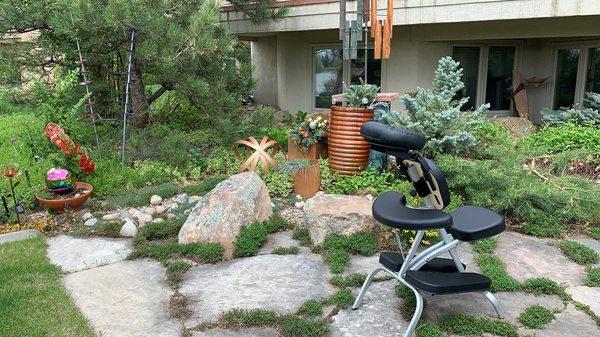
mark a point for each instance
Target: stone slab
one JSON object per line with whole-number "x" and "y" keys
{"x": 570, "y": 322}
{"x": 251, "y": 332}
{"x": 512, "y": 304}
{"x": 362, "y": 264}
{"x": 20, "y": 235}
{"x": 73, "y": 254}
{"x": 529, "y": 257}
{"x": 273, "y": 282}
{"x": 125, "y": 299}
{"x": 281, "y": 239}
{"x": 586, "y": 295}
{"x": 377, "y": 317}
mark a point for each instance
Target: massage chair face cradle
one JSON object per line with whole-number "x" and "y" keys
{"x": 426, "y": 272}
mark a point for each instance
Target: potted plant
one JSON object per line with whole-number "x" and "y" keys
{"x": 306, "y": 176}
{"x": 308, "y": 138}
{"x": 62, "y": 191}
{"x": 348, "y": 151}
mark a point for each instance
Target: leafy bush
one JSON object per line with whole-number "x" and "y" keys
{"x": 541, "y": 286}
{"x": 588, "y": 115}
{"x": 280, "y": 135}
{"x": 293, "y": 250}
{"x": 535, "y": 317}
{"x": 278, "y": 183}
{"x": 363, "y": 243}
{"x": 250, "y": 239}
{"x": 592, "y": 100}
{"x": 311, "y": 308}
{"x": 207, "y": 252}
{"x": 436, "y": 113}
{"x": 565, "y": 137}
{"x": 276, "y": 224}
{"x": 343, "y": 298}
{"x": 204, "y": 187}
{"x": 159, "y": 143}
{"x": 337, "y": 260}
{"x": 578, "y": 252}
{"x": 594, "y": 232}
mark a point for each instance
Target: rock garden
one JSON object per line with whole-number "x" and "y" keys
{"x": 200, "y": 217}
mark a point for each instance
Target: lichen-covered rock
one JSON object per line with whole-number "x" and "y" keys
{"x": 339, "y": 214}
{"x": 218, "y": 216}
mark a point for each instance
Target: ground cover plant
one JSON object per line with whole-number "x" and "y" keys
{"x": 536, "y": 316}
{"x": 33, "y": 301}
{"x": 578, "y": 252}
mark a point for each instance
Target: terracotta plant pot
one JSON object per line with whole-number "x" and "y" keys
{"x": 348, "y": 151}
{"x": 59, "y": 205}
{"x": 295, "y": 152}
{"x": 307, "y": 181}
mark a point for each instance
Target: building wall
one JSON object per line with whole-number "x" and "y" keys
{"x": 416, "y": 50}
{"x": 264, "y": 61}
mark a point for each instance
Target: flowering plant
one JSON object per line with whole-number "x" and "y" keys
{"x": 310, "y": 132}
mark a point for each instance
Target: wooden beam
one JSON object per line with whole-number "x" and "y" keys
{"x": 377, "y": 31}
{"x": 386, "y": 39}
{"x": 390, "y": 16}
{"x": 373, "y": 17}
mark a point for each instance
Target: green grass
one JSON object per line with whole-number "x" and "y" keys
{"x": 159, "y": 231}
{"x": 343, "y": 298}
{"x": 311, "y": 308}
{"x": 176, "y": 271}
{"x": 362, "y": 243}
{"x": 486, "y": 245}
{"x": 33, "y": 301}
{"x": 409, "y": 301}
{"x": 594, "y": 232}
{"x": 294, "y": 250}
{"x": 593, "y": 277}
{"x": 355, "y": 280}
{"x": 250, "y": 239}
{"x": 288, "y": 325}
{"x": 492, "y": 267}
{"x": 163, "y": 250}
{"x": 142, "y": 196}
{"x": 204, "y": 187}
{"x": 337, "y": 260}
{"x": 294, "y": 326}
{"x": 535, "y": 317}
{"x": 542, "y": 286}
{"x": 429, "y": 330}
{"x": 468, "y": 325}
{"x": 303, "y": 236}
{"x": 238, "y": 318}
{"x": 578, "y": 252}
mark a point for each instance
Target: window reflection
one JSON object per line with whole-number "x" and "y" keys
{"x": 328, "y": 76}
{"x": 501, "y": 63}
{"x": 566, "y": 77}
{"x": 469, "y": 62}
{"x": 357, "y": 68}
{"x": 593, "y": 77}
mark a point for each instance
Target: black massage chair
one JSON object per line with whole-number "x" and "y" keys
{"x": 424, "y": 271}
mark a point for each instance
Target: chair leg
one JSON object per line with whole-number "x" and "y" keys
{"x": 495, "y": 303}
{"x": 412, "y": 326}
{"x": 365, "y": 286}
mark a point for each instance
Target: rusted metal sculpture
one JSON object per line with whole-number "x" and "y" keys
{"x": 256, "y": 153}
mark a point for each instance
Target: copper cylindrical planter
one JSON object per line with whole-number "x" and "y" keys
{"x": 307, "y": 181}
{"x": 348, "y": 151}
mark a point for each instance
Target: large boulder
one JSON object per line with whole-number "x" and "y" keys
{"x": 338, "y": 214}
{"x": 217, "y": 217}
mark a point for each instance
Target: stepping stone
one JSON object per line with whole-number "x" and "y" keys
{"x": 586, "y": 295}
{"x": 251, "y": 332}
{"x": 281, "y": 239}
{"x": 529, "y": 257}
{"x": 467, "y": 256}
{"x": 128, "y": 298}
{"x": 377, "y": 317}
{"x": 74, "y": 254}
{"x": 20, "y": 235}
{"x": 363, "y": 265}
{"x": 571, "y": 322}
{"x": 272, "y": 282}
{"x": 512, "y": 304}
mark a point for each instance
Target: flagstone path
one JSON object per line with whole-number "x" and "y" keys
{"x": 132, "y": 298}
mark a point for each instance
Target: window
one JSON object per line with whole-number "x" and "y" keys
{"x": 357, "y": 68}
{"x": 501, "y": 63}
{"x": 330, "y": 71}
{"x": 593, "y": 77}
{"x": 328, "y": 75}
{"x": 469, "y": 61}
{"x": 487, "y": 74}
{"x": 566, "y": 77}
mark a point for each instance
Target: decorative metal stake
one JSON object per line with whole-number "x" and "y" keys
{"x": 127, "y": 92}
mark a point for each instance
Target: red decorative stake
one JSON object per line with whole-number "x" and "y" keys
{"x": 58, "y": 136}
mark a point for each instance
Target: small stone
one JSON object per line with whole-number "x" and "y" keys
{"x": 158, "y": 220}
{"x": 90, "y": 222}
{"x": 299, "y": 204}
{"x": 133, "y": 211}
{"x": 159, "y": 209}
{"x": 174, "y": 206}
{"x": 171, "y": 216}
{"x": 111, "y": 216}
{"x": 368, "y": 196}
{"x": 87, "y": 216}
{"x": 181, "y": 199}
{"x": 148, "y": 210}
{"x": 155, "y": 200}
{"x": 298, "y": 197}
{"x": 143, "y": 219}
{"x": 194, "y": 199}
{"x": 128, "y": 229}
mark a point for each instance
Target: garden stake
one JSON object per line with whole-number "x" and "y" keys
{"x": 127, "y": 89}
{"x": 12, "y": 190}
